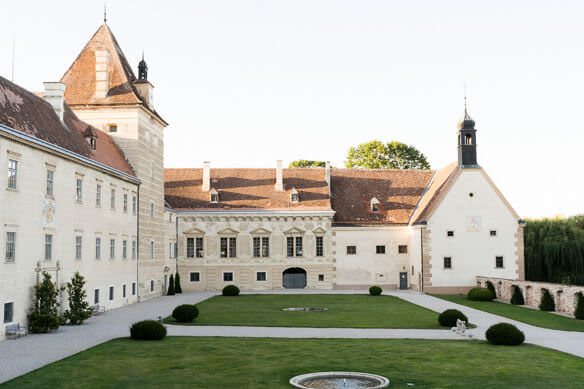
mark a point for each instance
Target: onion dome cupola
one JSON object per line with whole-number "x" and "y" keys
{"x": 142, "y": 69}
{"x": 467, "y": 141}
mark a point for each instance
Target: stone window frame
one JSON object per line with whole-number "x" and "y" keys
{"x": 151, "y": 286}
{"x": 98, "y": 248}
{"x": 112, "y": 197}
{"x": 265, "y": 276}
{"x": 112, "y": 248}
{"x": 321, "y": 278}
{"x": 125, "y": 202}
{"x": 451, "y": 259}
{"x": 351, "y": 249}
{"x": 134, "y": 249}
{"x": 48, "y": 245}
{"x": 295, "y": 235}
{"x": 450, "y": 234}
{"x": 124, "y": 248}
{"x": 261, "y": 236}
{"x": 79, "y": 178}
{"x": 228, "y": 272}
{"x": 194, "y": 236}
{"x": 502, "y": 257}
{"x": 229, "y": 236}
{"x": 11, "y": 305}
{"x": 16, "y": 157}
{"x": 124, "y": 291}
{"x": 193, "y": 273}
{"x": 152, "y": 249}
{"x": 50, "y": 180}
{"x": 133, "y": 288}
{"x": 14, "y": 244}
{"x": 401, "y": 250}
{"x": 380, "y": 249}
{"x": 111, "y": 294}
{"x": 98, "y": 193}
{"x": 134, "y": 203}
{"x": 78, "y": 246}
{"x": 495, "y": 235}
{"x": 96, "y": 296}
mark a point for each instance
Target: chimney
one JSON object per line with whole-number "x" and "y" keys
{"x": 101, "y": 73}
{"x": 328, "y": 176}
{"x": 279, "y": 176}
{"x": 55, "y": 95}
{"x": 206, "y": 186}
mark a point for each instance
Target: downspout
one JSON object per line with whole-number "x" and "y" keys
{"x": 422, "y": 258}
{"x": 176, "y": 240}
{"x": 138, "y": 242}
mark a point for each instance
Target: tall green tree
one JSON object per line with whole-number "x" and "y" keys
{"x": 79, "y": 309}
{"x": 171, "y": 286}
{"x": 306, "y": 163}
{"x": 393, "y": 155}
{"x": 177, "y": 288}
{"x": 43, "y": 316}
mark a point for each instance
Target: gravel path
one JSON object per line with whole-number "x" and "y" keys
{"x": 22, "y": 355}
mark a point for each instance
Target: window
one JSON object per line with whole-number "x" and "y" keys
{"x": 319, "y": 246}
{"x": 133, "y": 288}
{"x": 499, "y": 262}
{"x": 191, "y": 247}
{"x": 79, "y": 190}
{"x": 227, "y": 276}
{"x": 50, "y": 180}
{"x": 170, "y": 250}
{"x": 112, "y": 248}
{"x": 8, "y": 312}
{"x": 412, "y": 269}
{"x": 450, "y": 233}
{"x": 113, "y": 127}
{"x": 195, "y": 276}
{"x": 447, "y": 262}
{"x": 152, "y": 285}
{"x": 321, "y": 277}
{"x": 78, "y": 247}
{"x": 12, "y": 173}
{"x": 294, "y": 197}
{"x": 48, "y": 247}
{"x": 133, "y": 249}
{"x": 111, "y": 293}
{"x": 402, "y": 249}
{"x": 151, "y": 210}
{"x": 124, "y": 291}
{"x": 260, "y": 276}
{"x": 134, "y": 204}
{"x": 10, "y": 246}
{"x": 113, "y": 199}
{"x": 96, "y": 296}
{"x": 351, "y": 250}
{"x": 98, "y": 195}
{"x": 125, "y": 203}
{"x": 380, "y": 249}
{"x": 374, "y": 205}
{"x": 493, "y": 233}
{"x": 151, "y": 249}
{"x": 228, "y": 247}
{"x": 97, "y": 248}
{"x": 124, "y": 249}
{"x": 199, "y": 247}
{"x": 261, "y": 246}
{"x": 294, "y": 246}
{"x": 214, "y": 196}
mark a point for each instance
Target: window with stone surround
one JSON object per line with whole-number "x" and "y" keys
{"x": 111, "y": 293}
{"x": 261, "y": 246}
{"x": 125, "y": 203}
{"x": 195, "y": 276}
{"x": 96, "y": 296}
{"x": 261, "y": 276}
{"x": 79, "y": 189}
{"x": 351, "y": 250}
{"x": 133, "y": 249}
{"x": 112, "y": 248}
{"x": 294, "y": 246}
{"x": 48, "y": 247}
{"x": 134, "y": 204}
{"x": 319, "y": 246}
{"x": 133, "y": 288}
{"x": 402, "y": 249}
{"x": 228, "y": 247}
{"x": 78, "y": 247}
{"x": 10, "y": 246}
{"x": 447, "y": 262}
{"x": 113, "y": 199}
{"x": 97, "y": 248}
{"x": 228, "y": 276}
{"x": 8, "y": 312}
{"x": 98, "y": 195}
{"x": 50, "y": 183}
{"x": 124, "y": 249}
{"x": 499, "y": 262}
{"x": 12, "y": 174}
{"x": 380, "y": 249}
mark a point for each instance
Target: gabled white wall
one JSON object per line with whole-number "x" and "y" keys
{"x": 473, "y": 252}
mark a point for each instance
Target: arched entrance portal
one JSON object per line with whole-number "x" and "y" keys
{"x": 294, "y": 277}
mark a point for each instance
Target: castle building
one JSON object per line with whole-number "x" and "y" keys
{"x": 85, "y": 190}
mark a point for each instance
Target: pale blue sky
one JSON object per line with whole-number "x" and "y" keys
{"x": 244, "y": 83}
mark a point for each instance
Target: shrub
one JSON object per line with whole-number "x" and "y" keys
{"x": 41, "y": 323}
{"x": 517, "y": 298}
{"x": 491, "y": 287}
{"x": 547, "y": 301}
{"x": 504, "y": 334}
{"x": 185, "y": 313}
{"x": 480, "y": 294}
{"x": 230, "y": 290}
{"x": 177, "y": 288}
{"x": 171, "y": 286}
{"x": 448, "y": 317}
{"x": 375, "y": 290}
{"x": 79, "y": 309}
{"x": 147, "y": 330}
{"x": 43, "y": 316}
{"x": 579, "y": 312}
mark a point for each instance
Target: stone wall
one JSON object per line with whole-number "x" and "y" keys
{"x": 564, "y": 295}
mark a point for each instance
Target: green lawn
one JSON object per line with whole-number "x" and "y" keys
{"x": 525, "y": 315}
{"x": 344, "y": 310}
{"x": 196, "y": 362}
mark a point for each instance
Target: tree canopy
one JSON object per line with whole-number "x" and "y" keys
{"x": 307, "y": 163}
{"x": 392, "y": 155}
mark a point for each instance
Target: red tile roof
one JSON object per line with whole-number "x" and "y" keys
{"x": 246, "y": 189}
{"x": 437, "y": 187}
{"x": 80, "y": 77}
{"x": 398, "y": 193}
{"x": 31, "y": 114}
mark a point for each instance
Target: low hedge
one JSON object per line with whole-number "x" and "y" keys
{"x": 230, "y": 290}
{"x": 505, "y": 334}
{"x": 480, "y": 294}
{"x": 448, "y": 317}
{"x": 147, "y": 330}
{"x": 185, "y": 313}
{"x": 375, "y": 290}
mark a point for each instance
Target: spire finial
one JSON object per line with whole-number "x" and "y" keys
{"x": 142, "y": 54}
{"x": 104, "y": 13}
{"x": 465, "y": 97}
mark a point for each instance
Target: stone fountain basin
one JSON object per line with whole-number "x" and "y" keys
{"x": 339, "y": 380}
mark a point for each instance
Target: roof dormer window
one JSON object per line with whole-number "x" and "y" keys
{"x": 294, "y": 197}
{"x": 374, "y": 203}
{"x": 214, "y": 196}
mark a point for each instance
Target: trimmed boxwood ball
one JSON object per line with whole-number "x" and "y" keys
{"x": 185, "y": 313}
{"x": 504, "y": 334}
{"x": 230, "y": 290}
{"x": 375, "y": 290}
{"x": 147, "y": 330}
{"x": 517, "y": 298}
{"x": 480, "y": 294}
{"x": 448, "y": 317}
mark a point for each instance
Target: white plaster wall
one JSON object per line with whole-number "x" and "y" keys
{"x": 473, "y": 252}
{"x": 22, "y": 211}
{"x": 367, "y": 267}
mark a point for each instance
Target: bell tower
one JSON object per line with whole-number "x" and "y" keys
{"x": 467, "y": 141}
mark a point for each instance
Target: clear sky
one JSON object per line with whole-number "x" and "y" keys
{"x": 244, "y": 83}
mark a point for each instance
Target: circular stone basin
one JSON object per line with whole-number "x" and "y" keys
{"x": 311, "y": 309}
{"x": 339, "y": 380}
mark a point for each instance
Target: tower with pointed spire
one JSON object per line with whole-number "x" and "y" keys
{"x": 467, "y": 141}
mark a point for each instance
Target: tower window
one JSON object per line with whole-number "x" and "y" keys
{"x": 112, "y": 127}
{"x": 468, "y": 139}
